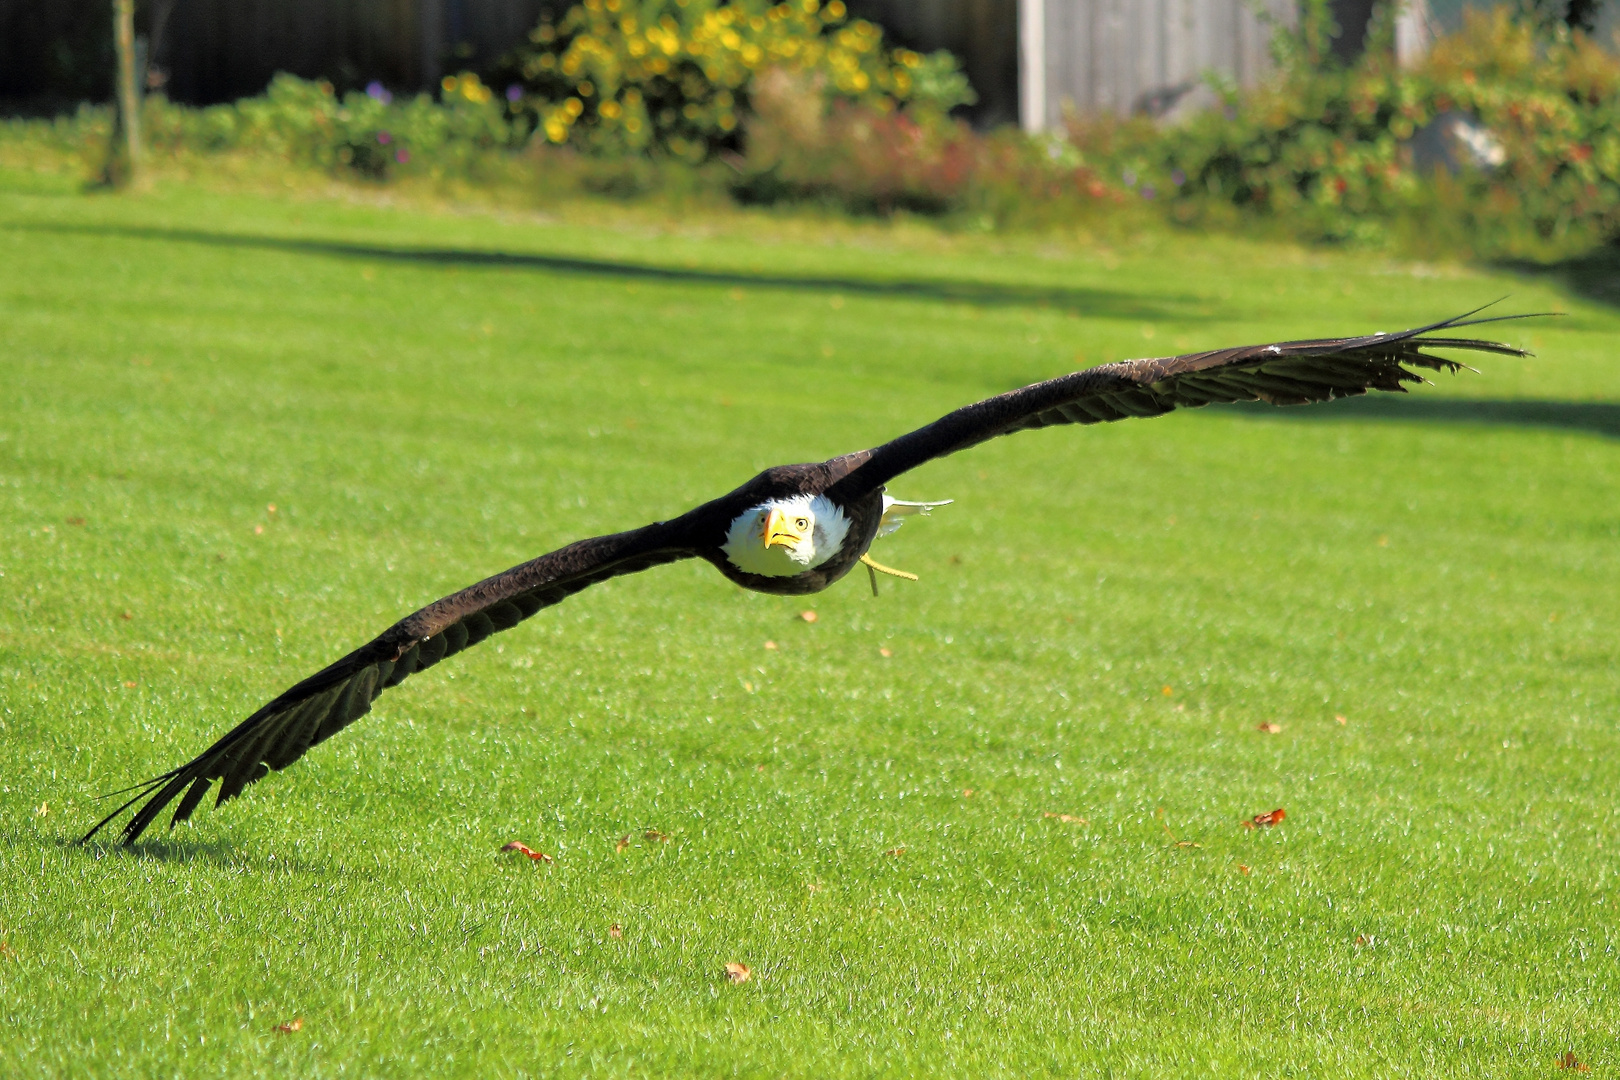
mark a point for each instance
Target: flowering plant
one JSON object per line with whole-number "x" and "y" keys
{"x": 676, "y": 75}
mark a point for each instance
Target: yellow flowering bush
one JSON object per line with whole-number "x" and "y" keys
{"x": 676, "y": 75}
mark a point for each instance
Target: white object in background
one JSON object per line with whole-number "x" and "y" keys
{"x": 1032, "y": 65}
{"x": 1414, "y": 32}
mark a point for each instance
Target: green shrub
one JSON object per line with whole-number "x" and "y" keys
{"x": 676, "y": 76}
{"x": 1329, "y": 153}
{"x": 368, "y": 133}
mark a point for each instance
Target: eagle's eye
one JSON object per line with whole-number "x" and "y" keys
{"x": 802, "y": 523}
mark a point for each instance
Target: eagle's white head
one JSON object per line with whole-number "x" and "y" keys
{"x": 784, "y": 537}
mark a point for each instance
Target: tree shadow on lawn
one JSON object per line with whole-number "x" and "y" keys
{"x": 1591, "y": 417}
{"x": 1595, "y": 275}
{"x": 1096, "y": 302}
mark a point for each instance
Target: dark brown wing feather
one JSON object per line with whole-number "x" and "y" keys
{"x": 1286, "y": 373}
{"x": 328, "y": 701}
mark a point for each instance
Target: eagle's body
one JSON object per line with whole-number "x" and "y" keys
{"x": 791, "y": 530}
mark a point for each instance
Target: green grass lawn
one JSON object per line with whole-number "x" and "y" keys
{"x": 1106, "y": 616}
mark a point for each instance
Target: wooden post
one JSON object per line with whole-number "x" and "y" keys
{"x": 129, "y": 94}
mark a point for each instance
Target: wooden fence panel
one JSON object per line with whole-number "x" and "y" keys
{"x": 1126, "y": 56}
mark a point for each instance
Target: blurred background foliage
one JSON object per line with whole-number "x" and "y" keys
{"x": 1502, "y": 142}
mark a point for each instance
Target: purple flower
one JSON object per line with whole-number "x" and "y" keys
{"x": 1177, "y": 177}
{"x": 379, "y": 92}
{"x": 1129, "y": 176}
{"x": 402, "y": 155}
{"x": 383, "y": 138}
{"x": 514, "y": 93}
{"x": 1149, "y": 191}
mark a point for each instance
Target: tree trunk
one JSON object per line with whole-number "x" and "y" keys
{"x": 129, "y": 93}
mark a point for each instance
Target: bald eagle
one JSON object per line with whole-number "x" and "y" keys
{"x": 791, "y": 530}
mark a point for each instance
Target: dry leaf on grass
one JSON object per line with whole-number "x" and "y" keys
{"x": 75, "y": 521}
{"x": 1569, "y": 1061}
{"x": 808, "y": 616}
{"x": 616, "y": 932}
{"x": 1263, "y": 821}
{"x": 1341, "y": 719}
{"x": 295, "y": 1024}
{"x": 967, "y": 793}
{"x": 6, "y": 950}
{"x": 896, "y": 851}
{"x": 738, "y": 973}
{"x": 883, "y": 651}
{"x": 654, "y": 836}
{"x": 624, "y": 842}
{"x": 770, "y": 645}
{"x": 1244, "y": 870}
{"x": 1167, "y": 691}
{"x": 1363, "y": 940}
{"x": 1269, "y": 728}
{"x": 130, "y": 685}
{"x": 126, "y": 616}
{"x": 1067, "y": 819}
{"x": 524, "y": 849}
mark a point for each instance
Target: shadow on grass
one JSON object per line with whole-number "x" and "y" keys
{"x": 1108, "y": 302}
{"x": 165, "y": 849}
{"x": 1595, "y": 275}
{"x": 1592, "y": 417}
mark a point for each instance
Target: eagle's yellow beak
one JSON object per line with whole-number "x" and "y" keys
{"x": 781, "y": 530}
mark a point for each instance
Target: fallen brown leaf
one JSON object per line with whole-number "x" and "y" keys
{"x": 1187, "y": 843}
{"x": 258, "y": 530}
{"x": 295, "y": 1024}
{"x": 897, "y": 851}
{"x": 616, "y": 932}
{"x": 759, "y": 768}
{"x": 1363, "y": 939}
{"x": 1166, "y": 690}
{"x": 624, "y": 842}
{"x": 770, "y": 645}
{"x": 883, "y": 650}
{"x": 6, "y": 950}
{"x": 808, "y": 616}
{"x": 1569, "y": 1061}
{"x": 1260, "y": 821}
{"x": 126, "y": 616}
{"x": 1341, "y": 720}
{"x": 75, "y": 521}
{"x": 1269, "y": 728}
{"x": 738, "y": 972}
{"x": 1244, "y": 870}
{"x": 271, "y": 508}
{"x": 655, "y": 836}
{"x": 967, "y": 793}
{"x": 524, "y": 849}
{"x": 130, "y": 685}
{"x": 1067, "y": 819}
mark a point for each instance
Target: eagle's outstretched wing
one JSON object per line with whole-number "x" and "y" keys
{"x": 1287, "y": 373}
{"x": 331, "y": 699}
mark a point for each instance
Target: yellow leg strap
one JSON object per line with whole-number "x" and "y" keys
{"x": 891, "y": 571}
